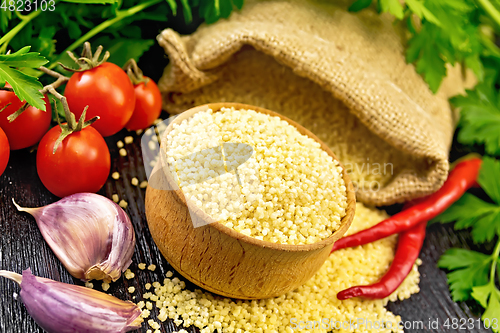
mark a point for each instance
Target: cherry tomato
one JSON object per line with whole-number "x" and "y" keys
{"x": 108, "y": 92}
{"x": 29, "y": 127}
{"x": 81, "y": 162}
{"x": 4, "y": 151}
{"x": 147, "y": 105}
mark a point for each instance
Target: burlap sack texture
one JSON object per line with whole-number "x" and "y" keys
{"x": 353, "y": 64}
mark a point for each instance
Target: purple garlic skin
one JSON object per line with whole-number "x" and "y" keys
{"x": 64, "y": 308}
{"x": 91, "y": 235}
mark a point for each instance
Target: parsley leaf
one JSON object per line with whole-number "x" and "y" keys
{"x": 26, "y": 87}
{"x": 392, "y": 6}
{"x": 488, "y": 296}
{"x": 418, "y": 8}
{"x": 469, "y": 269}
{"x": 480, "y": 116}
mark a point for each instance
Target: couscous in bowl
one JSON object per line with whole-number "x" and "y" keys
{"x": 217, "y": 257}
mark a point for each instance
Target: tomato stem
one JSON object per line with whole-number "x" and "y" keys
{"x": 134, "y": 72}
{"x": 87, "y": 60}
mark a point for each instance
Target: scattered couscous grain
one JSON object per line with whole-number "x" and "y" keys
{"x": 105, "y": 286}
{"x": 143, "y": 184}
{"x": 89, "y": 285}
{"x": 145, "y": 313}
{"x": 141, "y": 305}
{"x": 269, "y": 181}
{"x": 152, "y": 267}
{"x": 128, "y": 140}
{"x": 152, "y": 145}
{"x": 149, "y": 132}
{"x": 123, "y": 204}
{"x": 123, "y": 152}
{"x": 134, "y": 181}
{"x": 115, "y": 175}
{"x": 120, "y": 144}
{"x": 169, "y": 274}
{"x": 129, "y": 274}
{"x": 149, "y": 305}
{"x": 142, "y": 266}
{"x": 147, "y": 286}
{"x": 139, "y": 132}
{"x": 115, "y": 198}
{"x": 157, "y": 121}
{"x": 311, "y": 302}
{"x": 131, "y": 290}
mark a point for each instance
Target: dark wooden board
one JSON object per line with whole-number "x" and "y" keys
{"x": 22, "y": 246}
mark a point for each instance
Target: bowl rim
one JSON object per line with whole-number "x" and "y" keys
{"x": 345, "y": 222}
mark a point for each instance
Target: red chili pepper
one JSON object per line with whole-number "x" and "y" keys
{"x": 409, "y": 246}
{"x": 460, "y": 179}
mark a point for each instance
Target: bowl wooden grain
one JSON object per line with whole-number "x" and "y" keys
{"x": 223, "y": 260}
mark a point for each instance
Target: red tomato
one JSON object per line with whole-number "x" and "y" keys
{"x": 108, "y": 92}
{"x": 4, "y": 151}
{"x": 29, "y": 127}
{"x": 81, "y": 163}
{"x": 147, "y": 105}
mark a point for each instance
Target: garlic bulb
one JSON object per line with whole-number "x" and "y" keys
{"x": 64, "y": 308}
{"x": 90, "y": 234}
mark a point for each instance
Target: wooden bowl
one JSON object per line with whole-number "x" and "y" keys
{"x": 223, "y": 260}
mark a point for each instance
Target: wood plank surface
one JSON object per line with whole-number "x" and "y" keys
{"x": 22, "y": 246}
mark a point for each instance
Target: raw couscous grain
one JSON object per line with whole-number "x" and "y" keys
{"x": 142, "y": 266}
{"x": 123, "y": 152}
{"x": 152, "y": 267}
{"x": 128, "y": 140}
{"x": 120, "y": 144}
{"x": 287, "y": 189}
{"x": 115, "y": 175}
{"x": 116, "y": 198}
{"x": 131, "y": 290}
{"x": 134, "y": 181}
{"x": 129, "y": 274}
{"x": 311, "y": 302}
{"x": 105, "y": 286}
{"x": 285, "y": 92}
{"x": 123, "y": 204}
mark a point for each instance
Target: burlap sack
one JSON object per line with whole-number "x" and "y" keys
{"x": 341, "y": 75}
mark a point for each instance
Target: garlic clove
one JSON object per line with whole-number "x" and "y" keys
{"x": 91, "y": 235}
{"x": 63, "y": 308}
